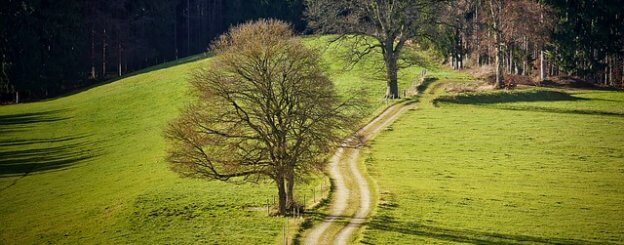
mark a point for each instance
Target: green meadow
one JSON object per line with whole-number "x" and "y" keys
{"x": 530, "y": 166}
{"x": 90, "y": 166}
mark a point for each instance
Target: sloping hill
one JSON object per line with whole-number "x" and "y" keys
{"x": 89, "y": 166}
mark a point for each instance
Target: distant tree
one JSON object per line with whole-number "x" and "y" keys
{"x": 496, "y": 17}
{"x": 390, "y": 23}
{"x": 265, "y": 109}
{"x": 459, "y": 26}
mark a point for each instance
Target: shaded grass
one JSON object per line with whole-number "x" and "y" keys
{"x": 507, "y": 97}
{"x": 502, "y": 168}
{"x": 522, "y": 100}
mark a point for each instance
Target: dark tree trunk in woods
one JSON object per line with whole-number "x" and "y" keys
{"x": 175, "y": 39}
{"x": 93, "y": 76}
{"x": 542, "y": 66}
{"x": 119, "y": 60}
{"x": 188, "y": 27}
{"x": 496, "y": 12}
{"x": 104, "y": 54}
{"x": 119, "y": 53}
{"x": 499, "y": 61}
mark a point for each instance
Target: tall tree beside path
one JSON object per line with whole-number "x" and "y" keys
{"x": 265, "y": 109}
{"x": 390, "y": 23}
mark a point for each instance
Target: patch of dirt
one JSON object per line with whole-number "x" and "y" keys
{"x": 520, "y": 80}
{"x": 567, "y": 82}
{"x": 350, "y": 152}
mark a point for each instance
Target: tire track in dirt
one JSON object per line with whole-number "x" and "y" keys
{"x": 349, "y": 152}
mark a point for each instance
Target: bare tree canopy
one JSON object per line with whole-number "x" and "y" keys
{"x": 391, "y": 23}
{"x": 265, "y": 110}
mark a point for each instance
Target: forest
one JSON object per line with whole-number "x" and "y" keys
{"x": 48, "y": 48}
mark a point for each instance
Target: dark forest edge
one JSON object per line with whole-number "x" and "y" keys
{"x": 50, "y": 48}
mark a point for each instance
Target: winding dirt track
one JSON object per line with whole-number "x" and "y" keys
{"x": 348, "y": 155}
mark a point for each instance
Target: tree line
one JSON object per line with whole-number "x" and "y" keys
{"x": 538, "y": 38}
{"x": 51, "y": 47}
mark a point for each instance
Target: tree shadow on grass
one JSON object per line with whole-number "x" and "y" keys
{"x": 425, "y": 84}
{"x": 387, "y": 224}
{"x": 25, "y": 142}
{"x": 507, "y": 97}
{"x": 485, "y": 99}
{"x": 564, "y": 111}
{"x": 19, "y": 122}
{"x": 30, "y": 118}
{"x": 28, "y": 161}
{"x": 36, "y": 156}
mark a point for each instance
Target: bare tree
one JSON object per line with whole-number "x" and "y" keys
{"x": 390, "y": 23}
{"x": 496, "y": 12}
{"x": 265, "y": 110}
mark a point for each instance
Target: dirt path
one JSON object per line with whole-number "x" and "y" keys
{"x": 348, "y": 154}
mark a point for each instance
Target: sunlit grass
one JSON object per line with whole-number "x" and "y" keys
{"x": 533, "y": 166}
{"x": 90, "y": 167}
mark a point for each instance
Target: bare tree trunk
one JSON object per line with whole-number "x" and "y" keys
{"x": 461, "y": 61}
{"x": 290, "y": 187}
{"x": 611, "y": 61}
{"x": 392, "y": 91}
{"x": 525, "y": 62}
{"x": 496, "y": 10}
{"x": 93, "y": 76}
{"x": 511, "y": 64}
{"x": 281, "y": 193}
{"x": 16, "y": 97}
{"x": 476, "y": 31}
{"x": 606, "y": 70}
{"x": 542, "y": 66}
{"x": 104, "y": 54}
{"x": 175, "y": 39}
{"x": 119, "y": 53}
{"x": 499, "y": 65}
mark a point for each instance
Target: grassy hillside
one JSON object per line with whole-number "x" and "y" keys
{"x": 536, "y": 166}
{"x": 89, "y": 166}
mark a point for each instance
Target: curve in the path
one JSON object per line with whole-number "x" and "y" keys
{"x": 342, "y": 193}
{"x": 340, "y": 202}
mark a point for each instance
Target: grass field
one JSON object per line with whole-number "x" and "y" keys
{"x": 89, "y": 166}
{"x": 531, "y": 166}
